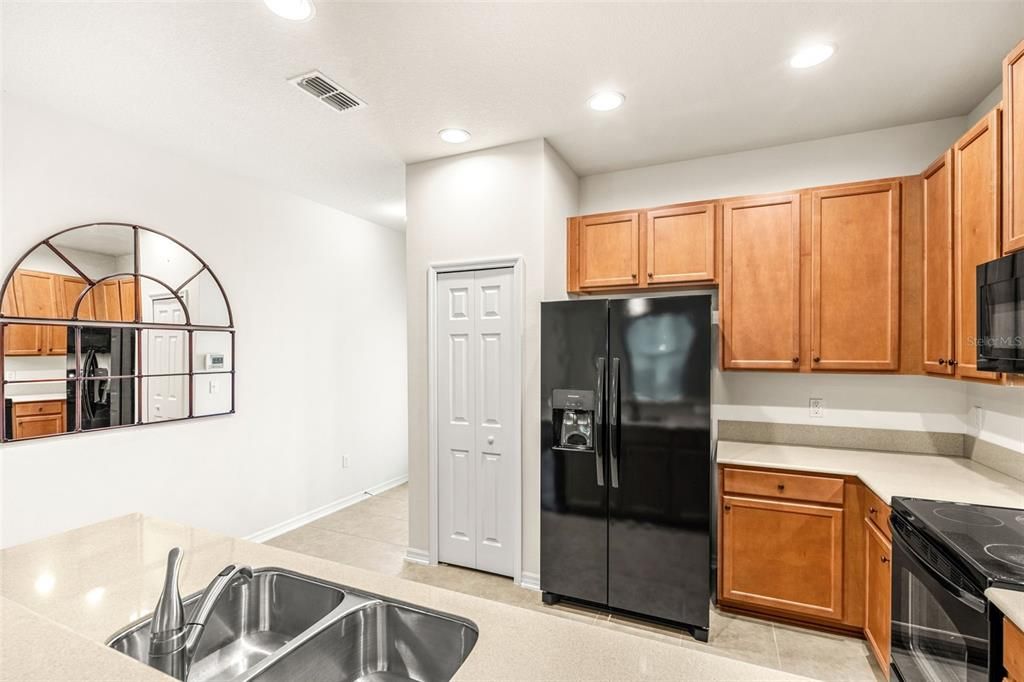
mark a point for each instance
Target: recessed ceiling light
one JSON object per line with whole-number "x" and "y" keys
{"x": 811, "y": 56}
{"x": 294, "y": 10}
{"x": 606, "y": 101}
{"x": 454, "y": 135}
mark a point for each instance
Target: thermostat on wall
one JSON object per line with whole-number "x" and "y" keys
{"x": 214, "y": 361}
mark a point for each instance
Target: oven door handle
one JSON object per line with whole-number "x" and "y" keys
{"x": 964, "y": 597}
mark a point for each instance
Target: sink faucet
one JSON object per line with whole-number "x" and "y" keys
{"x": 173, "y": 638}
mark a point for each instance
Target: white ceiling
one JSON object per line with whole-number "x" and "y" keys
{"x": 208, "y": 79}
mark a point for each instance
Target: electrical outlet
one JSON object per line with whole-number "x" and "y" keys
{"x": 817, "y": 407}
{"x": 344, "y": 461}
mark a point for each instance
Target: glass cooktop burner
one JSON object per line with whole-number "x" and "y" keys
{"x": 1010, "y": 554}
{"x": 968, "y": 516}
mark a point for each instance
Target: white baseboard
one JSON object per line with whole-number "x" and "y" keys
{"x": 417, "y": 556}
{"x": 325, "y": 510}
{"x": 530, "y": 581}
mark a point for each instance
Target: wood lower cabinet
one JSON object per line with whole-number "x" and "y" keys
{"x": 937, "y": 291}
{"x": 855, "y": 277}
{"x": 38, "y": 418}
{"x": 786, "y": 556}
{"x": 1013, "y": 651}
{"x": 1013, "y": 188}
{"x": 680, "y": 244}
{"x": 877, "y": 593}
{"x": 976, "y": 165}
{"x": 605, "y": 251}
{"x": 760, "y": 284}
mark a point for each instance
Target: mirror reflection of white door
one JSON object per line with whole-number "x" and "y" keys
{"x": 166, "y": 396}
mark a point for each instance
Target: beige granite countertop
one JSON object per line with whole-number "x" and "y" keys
{"x": 888, "y": 474}
{"x": 1010, "y": 602}
{"x": 64, "y": 595}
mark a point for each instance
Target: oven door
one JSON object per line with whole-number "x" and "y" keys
{"x": 939, "y": 622}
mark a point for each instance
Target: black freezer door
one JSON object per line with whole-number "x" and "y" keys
{"x": 659, "y": 529}
{"x": 574, "y": 503}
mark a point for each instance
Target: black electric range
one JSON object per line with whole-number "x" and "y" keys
{"x": 945, "y": 555}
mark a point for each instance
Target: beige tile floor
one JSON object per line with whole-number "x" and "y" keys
{"x": 374, "y": 534}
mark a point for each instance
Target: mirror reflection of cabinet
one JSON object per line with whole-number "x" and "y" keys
{"x": 138, "y": 330}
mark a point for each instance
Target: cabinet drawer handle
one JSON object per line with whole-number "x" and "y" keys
{"x": 781, "y": 487}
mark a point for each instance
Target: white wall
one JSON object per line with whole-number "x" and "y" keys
{"x": 319, "y": 303}
{"x": 903, "y": 150}
{"x": 496, "y": 202}
{"x": 984, "y": 106}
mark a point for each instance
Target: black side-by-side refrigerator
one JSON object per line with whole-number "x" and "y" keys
{"x": 626, "y": 455}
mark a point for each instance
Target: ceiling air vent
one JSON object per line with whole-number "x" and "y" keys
{"x": 328, "y": 92}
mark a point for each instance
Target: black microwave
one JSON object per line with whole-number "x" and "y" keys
{"x": 1000, "y": 340}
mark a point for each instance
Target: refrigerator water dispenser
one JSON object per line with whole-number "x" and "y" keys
{"x": 573, "y": 418}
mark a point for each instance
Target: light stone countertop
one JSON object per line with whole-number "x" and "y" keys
{"x": 38, "y": 397}
{"x": 1010, "y": 602}
{"x": 73, "y": 590}
{"x": 888, "y": 474}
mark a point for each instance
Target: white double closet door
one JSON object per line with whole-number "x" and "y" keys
{"x": 475, "y": 412}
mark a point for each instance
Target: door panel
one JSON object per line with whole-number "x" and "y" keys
{"x": 976, "y": 165}
{"x": 760, "y": 288}
{"x": 783, "y": 555}
{"x": 855, "y": 277}
{"x": 1013, "y": 100}
{"x": 573, "y": 515}
{"x": 878, "y": 604}
{"x": 609, "y": 250}
{"x": 495, "y": 477}
{"x": 681, "y": 244}
{"x": 938, "y": 266}
{"x": 456, "y": 403}
{"x": 659, "y": 548}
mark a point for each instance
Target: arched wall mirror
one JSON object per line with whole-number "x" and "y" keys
{"x": 110, "y": 325}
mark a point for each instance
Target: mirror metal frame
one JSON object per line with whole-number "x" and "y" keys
{"x": 138, "y": 327}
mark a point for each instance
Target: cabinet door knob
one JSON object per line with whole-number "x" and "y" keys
{"x": 885, "y": 559}
{"x": 953, "y": 363}
{"x": 728, "y": 507}
{"x": 796, "y": 358}
{"x": 872, "y": 511}
{"x": 941, "y": 361}
{"x": 781, "y": 487}
{"x": 817, "y": 359}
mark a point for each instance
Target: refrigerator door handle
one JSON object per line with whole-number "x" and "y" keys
{"x": 599, "y": 422}
{"x": 613, "y": 418}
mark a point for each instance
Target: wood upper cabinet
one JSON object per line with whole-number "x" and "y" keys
{"x": 38, "y": 295}
{"x": 976, "y": 161}
{"x": 878, "y": 593}
{"x": 607, "y": 250}
{"x": 680, "y": 244}
{"x": 126, "y": 289}
{"x": 1013, "y": 101}
{"x": 937, "y": 292}
{"x": 760, "y": 283}
{"x": 855, "y": 277}
{"x": 71, "y": 290}
{"x": 785, "y": 556}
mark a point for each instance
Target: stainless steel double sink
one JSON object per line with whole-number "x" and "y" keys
{"x": 284, "y": 626}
